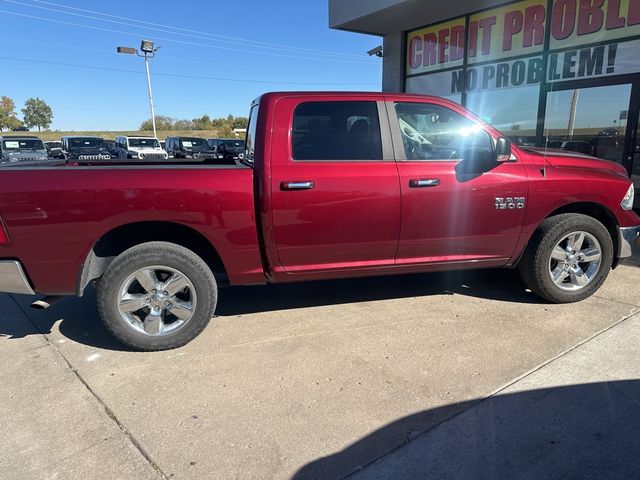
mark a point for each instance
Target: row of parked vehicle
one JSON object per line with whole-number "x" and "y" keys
{"x": 607, "y": 144}
{"x": 88, "y": 149}
{"x": 26, "y": 149}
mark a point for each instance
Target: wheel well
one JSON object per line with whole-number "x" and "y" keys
{"x": 116, "y": 241}
{"x": 595, "y": 210}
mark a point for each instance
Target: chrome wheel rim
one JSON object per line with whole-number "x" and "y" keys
{"x": 157, "y": 300}
{"x": 575, "y": 261}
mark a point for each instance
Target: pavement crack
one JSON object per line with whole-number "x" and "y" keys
{"x": 97, "y": 397}
{"x": 617, "y": 301}
{"x": 475, "y": 402}
{"x": 321, "y": 333}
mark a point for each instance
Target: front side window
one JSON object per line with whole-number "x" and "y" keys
{"x": 336, "y": 131}
{"x": 434, "y": 132}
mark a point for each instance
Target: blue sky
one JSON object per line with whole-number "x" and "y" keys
{"x": 286, "y": 41}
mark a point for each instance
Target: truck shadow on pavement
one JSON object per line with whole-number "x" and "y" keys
{"x": 79, "y": 322}
{"x": 500, "y": 285}
{"x": 577, "y": 431}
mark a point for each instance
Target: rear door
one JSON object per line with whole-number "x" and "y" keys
{"x": 334, "y": 185}
{"x": 458, "y": 204}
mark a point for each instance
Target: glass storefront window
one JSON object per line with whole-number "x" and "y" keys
{"x": 438, "y": 84}
{"x": 513, "y": 111}
{"x": 589, "y": 120}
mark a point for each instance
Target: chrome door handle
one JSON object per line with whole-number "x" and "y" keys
{"x": 297, "y": 185}
{"x": 424, "y": 182}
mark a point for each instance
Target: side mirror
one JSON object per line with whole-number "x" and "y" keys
{"x": 503, "y": 149}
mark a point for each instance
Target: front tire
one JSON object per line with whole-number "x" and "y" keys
{"x": 157, "y": 296}
{"x": 568, "y": 259}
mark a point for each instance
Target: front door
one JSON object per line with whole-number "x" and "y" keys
{"x": 458, "y": 204}
{"x": 334, "y": 186}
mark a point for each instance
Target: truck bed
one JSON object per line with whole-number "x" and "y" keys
{"x": 55, "y": 214}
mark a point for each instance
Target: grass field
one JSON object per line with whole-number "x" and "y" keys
{"x": 110, "y": 135}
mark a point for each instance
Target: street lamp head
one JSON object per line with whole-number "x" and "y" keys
{"x": 146, "y": 46}
{"x": 127, "y": 50}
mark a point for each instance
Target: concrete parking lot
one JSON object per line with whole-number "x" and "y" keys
{"x": 457, "y": 375}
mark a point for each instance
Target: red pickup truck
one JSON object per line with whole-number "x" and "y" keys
{"x": 332, "y": 185}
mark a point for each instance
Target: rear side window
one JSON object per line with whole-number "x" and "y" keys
{"x": 336, "y": 131}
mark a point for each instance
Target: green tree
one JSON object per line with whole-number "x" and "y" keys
{"x": 8, "y": 118}
{"x": 37, "y": 114}
{"x": 162, "y": 123}
{"x": 146, "y": 126}
{"x": 14, "y": 123}
{"x": 218, "y": 122}
{"x": 202, "y": 123}
{"x": 240, "y": 122}
{"x": 183, "y": 125}
{"x": 226, "y": 132}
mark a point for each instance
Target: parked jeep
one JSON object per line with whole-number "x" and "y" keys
{"x": 111, "y": 146}
{"x": 226, "y": 148}
{"x": 14, "y": 149}
{"x": 85, "y": 148}
{"x": 140, "y": 148}
{"x": 54, "y": 149}
{"x": 190, "y": 147}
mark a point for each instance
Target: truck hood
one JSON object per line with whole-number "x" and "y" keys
{"x": 566, "y": 159}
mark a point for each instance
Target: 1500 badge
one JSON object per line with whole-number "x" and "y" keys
{"x": 510, "y": 203}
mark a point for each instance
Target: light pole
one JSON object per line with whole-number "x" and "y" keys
{"x": 148, "y": 51}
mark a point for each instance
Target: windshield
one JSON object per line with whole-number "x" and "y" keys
{"x": 236, "y": 144}
{"x": 194, "y": 144}
{"x": 53, "y": 144}
{"x": 144, "y": 143}
{"x": 23, "y": 144}
{"x": 86, "y": 142}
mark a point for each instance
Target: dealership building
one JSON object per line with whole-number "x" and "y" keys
{"x": 556, "y": 73}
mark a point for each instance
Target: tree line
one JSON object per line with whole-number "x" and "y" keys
{"x": 36, "y": 113}
{"x": 224, "y": 125}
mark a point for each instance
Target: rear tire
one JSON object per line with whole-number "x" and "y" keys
{"x": 559, "y": 273}
{"x": 157, "y": 296}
